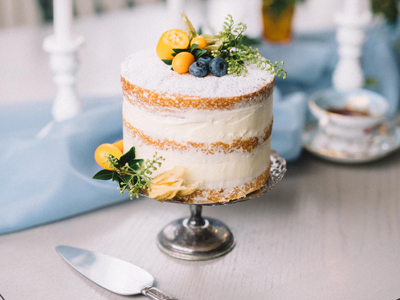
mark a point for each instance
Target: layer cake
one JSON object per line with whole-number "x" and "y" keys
{"x": 218, "y": 128}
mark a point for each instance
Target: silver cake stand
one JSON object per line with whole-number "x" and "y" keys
{"x": 198, "y": 238}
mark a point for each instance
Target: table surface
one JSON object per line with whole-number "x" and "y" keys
{"x": 327, "y": 231}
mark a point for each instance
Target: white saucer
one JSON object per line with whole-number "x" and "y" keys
{"x": 376, "y": 145}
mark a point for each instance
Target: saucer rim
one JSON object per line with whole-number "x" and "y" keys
{"x": 340, "y": 156}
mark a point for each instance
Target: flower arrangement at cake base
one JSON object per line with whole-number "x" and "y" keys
{"x": 134, "y": 174}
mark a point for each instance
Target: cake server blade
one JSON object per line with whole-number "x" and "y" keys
{"x": 111, "y": 273}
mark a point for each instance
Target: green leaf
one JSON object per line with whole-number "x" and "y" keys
{"x": 172, "y": 69}
{"x": 200, "y": 31}
{"x": 192, "y": 47}
{"x": 173, "y": 54}
{"x": 179, "y": 50}
{"x": 167, "y": 61}
{"x": 127, "y": 156}
{"x": 104, "y": 175}
{"x": 125, "y": 178}
{"x": 134, "y": 163}
{"x": 117, "y": 177}
{"x": 197, "y": 53}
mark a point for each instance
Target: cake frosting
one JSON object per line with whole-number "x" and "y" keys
{"x": 218, "y": 128}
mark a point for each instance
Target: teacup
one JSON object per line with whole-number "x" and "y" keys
{"x": 350, "y": 114}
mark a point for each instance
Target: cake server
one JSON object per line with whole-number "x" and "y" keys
{"x": 111, "y": 273}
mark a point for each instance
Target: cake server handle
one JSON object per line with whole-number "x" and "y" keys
{"x": 155, "y": 294}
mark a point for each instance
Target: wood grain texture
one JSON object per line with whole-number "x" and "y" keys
{"x": 327, "y": 231}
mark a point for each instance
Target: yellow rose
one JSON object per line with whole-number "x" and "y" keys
{"x": 171, "y": 184}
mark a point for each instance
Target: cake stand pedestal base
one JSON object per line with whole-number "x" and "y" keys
{"x": 196, "y": 238}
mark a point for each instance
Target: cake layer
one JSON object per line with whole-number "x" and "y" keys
{"x": 149, "y": 83}
{"x": 226, "y": 195}
{"x": 216, "y": 171}
{"x": 234, "y": 145}
{"x": 214, "y": 126}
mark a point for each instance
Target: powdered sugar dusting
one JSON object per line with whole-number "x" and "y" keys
{"x": 146, "y": 70}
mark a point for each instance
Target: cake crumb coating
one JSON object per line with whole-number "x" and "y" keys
{"x": 222, "y": 195}
{"x": 236, "y": 145}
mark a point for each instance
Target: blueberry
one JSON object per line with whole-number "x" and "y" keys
{"x": 205, "y": 59}
{"x": 198, "y": 69}
{"x": 218, "y": 66}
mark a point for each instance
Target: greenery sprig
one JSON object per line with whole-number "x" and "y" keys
{"x": 239, "y": 56}
{"x": 131, "y": 174}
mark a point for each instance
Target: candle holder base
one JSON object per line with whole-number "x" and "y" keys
{"x": 64, "y": 63}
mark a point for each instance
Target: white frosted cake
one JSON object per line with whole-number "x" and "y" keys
{"x": 218, "y": 128}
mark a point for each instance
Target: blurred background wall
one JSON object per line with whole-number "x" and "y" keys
{"x": 131, "y": 25}
{"x": 34, "y": 12}
{"x": 310, "y": 15}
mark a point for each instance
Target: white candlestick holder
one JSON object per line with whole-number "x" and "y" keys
{"x": 350, "y": 35}
{"x": 175, "y": 9}
{"x": 64, "y": 64}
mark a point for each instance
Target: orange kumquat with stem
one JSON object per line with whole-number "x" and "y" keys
{"x": 119, "y": 145}
{"x": 182, "y": 62}
{"x": 200, "y": 41}
{"x": 103, "y": 151}
{"x": 171, "y": 39}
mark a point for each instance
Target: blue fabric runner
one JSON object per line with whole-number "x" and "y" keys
{"x": 48, "y": 177}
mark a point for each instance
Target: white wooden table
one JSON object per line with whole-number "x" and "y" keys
{"x": 327, "y": 231}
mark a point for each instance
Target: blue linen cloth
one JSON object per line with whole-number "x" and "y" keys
{"x": 47, "y": 167}
{"x": 49, "y": 177}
